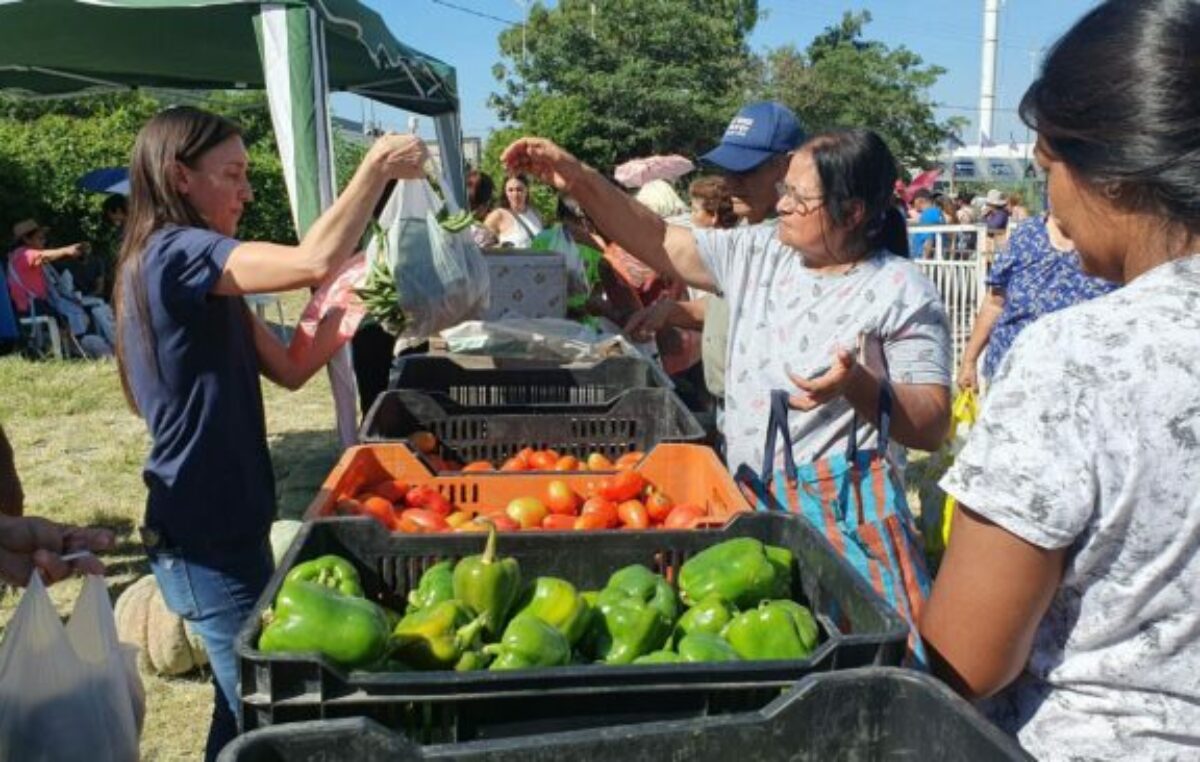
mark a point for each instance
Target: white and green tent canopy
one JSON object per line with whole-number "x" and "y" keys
{"x": 297, "y": 50}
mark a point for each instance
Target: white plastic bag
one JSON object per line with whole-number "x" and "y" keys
{"x": 557, "y": 239}
{"x": 68, "y": 692}
{"x": 441, "y": 277}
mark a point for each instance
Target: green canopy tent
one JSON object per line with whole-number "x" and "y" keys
{"x": 297, "y": 50}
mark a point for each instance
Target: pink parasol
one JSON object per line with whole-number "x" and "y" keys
{"x": 637, "y": 172}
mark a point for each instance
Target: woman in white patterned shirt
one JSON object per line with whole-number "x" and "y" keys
{"x": 1069, "y": 596}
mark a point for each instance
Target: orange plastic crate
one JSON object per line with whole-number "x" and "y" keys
{"x": 688, "y": 473}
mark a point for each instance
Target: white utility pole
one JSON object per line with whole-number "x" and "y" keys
{"x": 524, "y": 24}
{"x": 987, "y": 85}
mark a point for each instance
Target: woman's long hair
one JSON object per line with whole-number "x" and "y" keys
{"x": 1118, "y": 101}
{"x": 182, "y": 135}
{"x": 858, "y": 169}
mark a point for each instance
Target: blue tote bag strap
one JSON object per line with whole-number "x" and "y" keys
{"x": 883, "y": 423}
{"x": 777, "y": 428}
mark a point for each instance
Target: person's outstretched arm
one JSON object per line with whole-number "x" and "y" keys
{"x": 256, "y": 267}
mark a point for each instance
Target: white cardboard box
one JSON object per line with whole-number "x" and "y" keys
{"x": 532, "y": 284}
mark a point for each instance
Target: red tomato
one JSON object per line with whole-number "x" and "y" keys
{"x": 561, "y": 499}
{"x": 659, "y": 506}
{"x": 626, "y": 485}
{"x": 478, "y": 465}
{"x": 426, "y": 520}
{"x": 597, "y": 462}
{"x": 633, "y": 514}
{"x": 527, "y": 511}
{"x": 567, "y": 463}
{"x": 380, "y": 509}
{"x": 503, "y": 522}
{"x": 591, "y": 521}
{"x": 545, "y": 460}
{"x": 515, "y": 464}
{"x": 684, "y": 516}
{"x": 416, "y": 497}
{"x": 347, "y": 506}
{"x": 525, "y": 455}
{"x": 438, "y": 504}
{"x": 606, "y": 510}
{"x": 390, "y": 489}
{"x": 558, "y": 522}
{"x": 424, "y": 441}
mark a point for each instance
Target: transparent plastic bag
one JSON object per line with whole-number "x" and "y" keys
{"x": 441, "y": 277}
{"x": 68, "y": 692}
{"x": 557, "y": 239}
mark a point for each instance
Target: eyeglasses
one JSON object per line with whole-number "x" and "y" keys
{"x": 801, "y": 204}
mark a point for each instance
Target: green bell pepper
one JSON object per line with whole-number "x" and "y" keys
{"x": 557, "y": 603}
{"x": 334, "y": 572}
{"x": 436, "y": 585}
{"x": 436, "y": 637}
{"x": 658, "y": 657}
{"x": 709, "y": 615}
{"x": 471, "y": 661}
{"x": 488, "y": 586}
{"x": 774, "y": 630}
{"x": 704, "y": 646}
{"x": 529, "y": 642}
{"x": 309, "y": 616}
{"x": 636, "y": 581}
{"x": 741, "y": 571}
{"x": 625, "y": 628}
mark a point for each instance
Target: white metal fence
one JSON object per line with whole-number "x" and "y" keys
{"x": 959, "y": 270}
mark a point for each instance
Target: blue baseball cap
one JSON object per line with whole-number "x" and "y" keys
{"x": 758, "y": 132}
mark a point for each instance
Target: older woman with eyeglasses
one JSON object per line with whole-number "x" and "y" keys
{"x": 801, "y": 293}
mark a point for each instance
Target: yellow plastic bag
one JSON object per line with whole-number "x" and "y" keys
{"x": 963, "y": 415}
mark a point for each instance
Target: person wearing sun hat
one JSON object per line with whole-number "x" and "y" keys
{"x": 996, "y": 214}
{"x": 25, "y": 276}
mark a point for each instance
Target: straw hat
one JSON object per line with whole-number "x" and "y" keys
{"x": 25, "y": 227}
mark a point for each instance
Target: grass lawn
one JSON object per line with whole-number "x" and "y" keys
{"x": 79, "y": 452}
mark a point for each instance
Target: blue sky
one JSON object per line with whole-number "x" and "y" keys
{"x": 945, "y": 32}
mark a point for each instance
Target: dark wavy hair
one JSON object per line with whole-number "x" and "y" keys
{"x": 1118, "y": 100}
{"x": 857, "y": 168}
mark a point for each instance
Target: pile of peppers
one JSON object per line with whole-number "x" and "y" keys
{"x": 733, "y": 602}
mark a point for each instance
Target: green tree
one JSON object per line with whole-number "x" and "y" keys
{"x": 844, "y": 80}
{"x": 637, "y": 78}
{"x": 45, "y": 146}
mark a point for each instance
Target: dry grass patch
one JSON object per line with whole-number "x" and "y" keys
{"x": 80, "y": 452}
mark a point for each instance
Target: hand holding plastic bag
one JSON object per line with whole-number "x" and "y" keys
{"x": 440, "y": 276}
{"x": 68, "y": 692}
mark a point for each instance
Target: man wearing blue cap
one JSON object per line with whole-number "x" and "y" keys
{"x": 753, "y": 157}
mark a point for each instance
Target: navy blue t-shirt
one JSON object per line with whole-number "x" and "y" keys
{"x": 209, "y": 471}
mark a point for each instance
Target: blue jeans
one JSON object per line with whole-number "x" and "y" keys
{"x": 215, "y": 596}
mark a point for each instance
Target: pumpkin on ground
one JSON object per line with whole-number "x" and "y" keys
{"x": 166, "y": 645}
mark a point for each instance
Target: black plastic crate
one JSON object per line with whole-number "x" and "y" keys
{"x": 636, "y": 419}
{"x": 876, "y": 713}
{"x": 859, "y": 629}
{"x": 520, "y": 382}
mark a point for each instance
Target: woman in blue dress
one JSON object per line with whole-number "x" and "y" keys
{"x": 1037, "y": 274}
